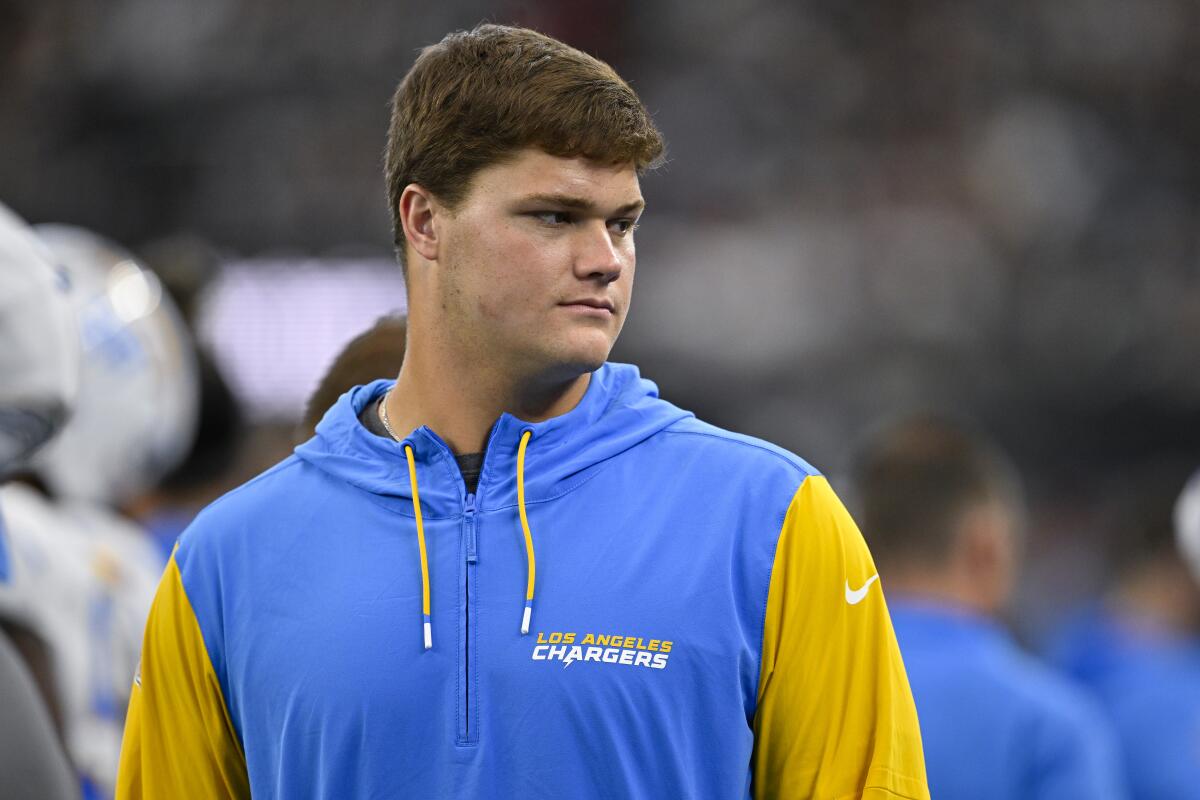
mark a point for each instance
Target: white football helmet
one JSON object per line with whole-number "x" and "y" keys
{"x": 39, "y": 346}
{"x": 138, "y": 393}
{"x": 1187, "y": 524}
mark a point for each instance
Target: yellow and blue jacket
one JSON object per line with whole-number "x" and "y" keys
{"x": 703, "y": 621}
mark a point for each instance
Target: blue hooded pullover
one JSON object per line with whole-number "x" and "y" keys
{"x": 654, "y": 537}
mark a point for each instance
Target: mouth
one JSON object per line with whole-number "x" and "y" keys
{"x": 591, "y": 305}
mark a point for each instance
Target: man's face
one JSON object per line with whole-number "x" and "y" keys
{"x": 536, "y": 263}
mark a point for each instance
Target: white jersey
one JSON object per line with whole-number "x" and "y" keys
{"x": 82, "y": 579}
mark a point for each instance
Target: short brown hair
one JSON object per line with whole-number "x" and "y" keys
{"x": 477, "y": 97}
{"x": 915, "y": 478}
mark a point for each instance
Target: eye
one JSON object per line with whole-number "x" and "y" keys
{"x": 552, "y": 218}
{"x": 622, "y": 227}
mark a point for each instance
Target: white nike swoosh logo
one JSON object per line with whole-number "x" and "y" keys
{"x": 855, "y": 596}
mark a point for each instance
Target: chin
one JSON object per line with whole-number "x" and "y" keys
{"x": 568, "y": 366}
{"x": 592, "y": 366}
{"x": 583, "y": 353}
{"x": 592, "y": 358}
{"x": 580, "y": 366}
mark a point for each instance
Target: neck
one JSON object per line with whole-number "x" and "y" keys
{"x": 460, "y": 398}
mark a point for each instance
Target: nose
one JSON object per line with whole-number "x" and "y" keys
{"x": 599, "y": 257}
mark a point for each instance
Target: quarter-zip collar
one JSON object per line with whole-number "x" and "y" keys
{"x": 619, "y": 410}
{"x": 525, "y": 463}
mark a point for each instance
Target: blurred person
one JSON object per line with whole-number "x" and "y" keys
{"x": 39, "y": 367}
{"x": 57, "y": 593}
{"x": 208, "y": 470}
{"x": 84, "y": 575}
{"x": 942, "y": 510}
{"x": 1138, "y": 648}
{"x": 186, "y": 264}
{"x": 378, "y": 352}
{"x": 140, "y": 367}
{"x": 360, "y": 620}
{"x": 40, "y": 358}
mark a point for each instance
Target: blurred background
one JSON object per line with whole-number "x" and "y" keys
{"x": 984, "y": 209}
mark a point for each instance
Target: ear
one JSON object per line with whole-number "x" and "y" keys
{"x": 418, "y": 209}
{"x": 981, "y": 548}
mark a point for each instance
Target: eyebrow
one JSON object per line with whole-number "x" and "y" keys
{"x": 578, "y": 203}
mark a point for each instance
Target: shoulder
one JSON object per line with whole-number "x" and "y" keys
{"x": 231, "y": 549}
{"x": 739, "y": 451}
{"x": 769, "y": 488}
{"x": 253, "y": 506}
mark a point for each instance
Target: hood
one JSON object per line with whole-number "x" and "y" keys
{"x": 619, "y": 410}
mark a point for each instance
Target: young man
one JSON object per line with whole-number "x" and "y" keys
{"x": 540, "y": 580}
{"x": 941, "y": 510}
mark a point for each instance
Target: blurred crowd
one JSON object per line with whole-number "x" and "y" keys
{"x": 982, "y": 212}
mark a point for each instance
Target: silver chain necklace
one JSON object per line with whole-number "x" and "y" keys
{"x": 381, "y": 407}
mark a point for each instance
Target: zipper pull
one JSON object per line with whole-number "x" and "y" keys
{"x": 472, "y": 553}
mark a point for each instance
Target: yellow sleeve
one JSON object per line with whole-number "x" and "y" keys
{"x": 179, "y": 740}
{"x": 835, "y": 716}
